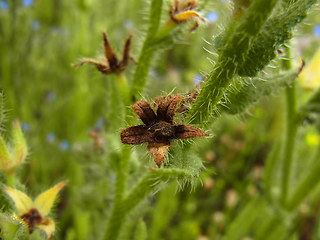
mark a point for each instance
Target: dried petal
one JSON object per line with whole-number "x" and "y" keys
{"x": 136, "y": 135}
{"x": 102, "y": 67}
{"x": 158, "y": 100}
{"x": 189, "y": 5}
{"x": 167, "y": 108}
{"x": 110, "y": 55}
{"x": 145, "y": 112}
{"x": 187, "y": 131}
{"x": 158, "y": 151}
{"x": 111, "y": 63}
{"x": 126, "y": 50}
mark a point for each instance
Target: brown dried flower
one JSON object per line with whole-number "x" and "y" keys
{"x": 158, "y": 129}
{"x": 184, "y": 11}
{"x": 110, "y": 64}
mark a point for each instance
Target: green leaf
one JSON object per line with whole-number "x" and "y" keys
{"x": 232, "y": 55}
{"x": 240, "y": 98}
{"x": 276, "y": 31}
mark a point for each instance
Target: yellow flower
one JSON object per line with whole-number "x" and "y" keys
{"x": 310, "y": 75}
{"x": 312, "y": 139}
{"x": 34, "y": 212}
{"x": 183, "y": 12}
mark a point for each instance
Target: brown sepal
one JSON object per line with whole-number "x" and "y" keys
{"x": 187, "y": 131}
{"x": 135, "y": 135}
{"x": 158, "y": 151}
{"x": 167, "y": 107}
{"x": 144, "y": 111}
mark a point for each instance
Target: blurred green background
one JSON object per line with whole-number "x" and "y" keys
{"x": 59, "y": 105}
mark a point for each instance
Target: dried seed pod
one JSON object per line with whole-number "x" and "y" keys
{"x": 158, "y": 129}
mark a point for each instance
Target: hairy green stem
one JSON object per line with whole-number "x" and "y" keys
{"x": 115, "y": 102}
{"x": 11, "y": 178}
{"x": 144, "y": 187}
{"x": 150, "y": 182}
{"x": 147, "y": 52}
{"x": 291, "y": 130}
{"x": 124, "y": 88}
{"x": 116, "y": 218}
{"x": 122, "y": 208}
{"x": 270, "y": 170}
{"x": 232, "y": 55}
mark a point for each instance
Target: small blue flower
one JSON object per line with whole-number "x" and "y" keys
{"x": 128, "y": 24}
{"x": 197, "y": 79}
{"x": 99, "y": 124}
{"x": 51, "y": 96}
{"x": 3, "y": 4}
{"x": 51, "y": 137}
{"x": 25, "y": 126}
{"x": 212, "y": 17}
{"x": 27, "y": 2}
{"x": 64, "y": 145}
{"x": 316, "y": 30}
{"x": 35, "y": 25}
{"x": 112, "y": 177}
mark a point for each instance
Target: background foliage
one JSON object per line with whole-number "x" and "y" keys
{"x": 233, "y": 185}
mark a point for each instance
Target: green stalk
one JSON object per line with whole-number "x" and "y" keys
{"x": 307, "y": 185}
{"x": 241, "y": 225}
{"x": 141, "y": 231}
{"x": 118, "y": 212}
{"x": 270, "y": 170}
{"x": 11, "y": 178}
{"x": 118, "y": 93}
{"x": 147, "y": 52}
{"x": 150, "y": 182}
{"x": 232, "y": 55}
{"x": 115, "y": 103}
{"x": 291, "y": 130}
{"x": 123, "y": 88}
{"x": 144, "y": 187}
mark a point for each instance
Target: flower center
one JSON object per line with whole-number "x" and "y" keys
{"x": 32, "y": 218}
{"x": 162, "y": 131}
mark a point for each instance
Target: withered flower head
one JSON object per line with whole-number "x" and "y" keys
{"x": 158, "y": 128}
{"x": 111, "y": 63}
{"x": 184, "y": 11}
